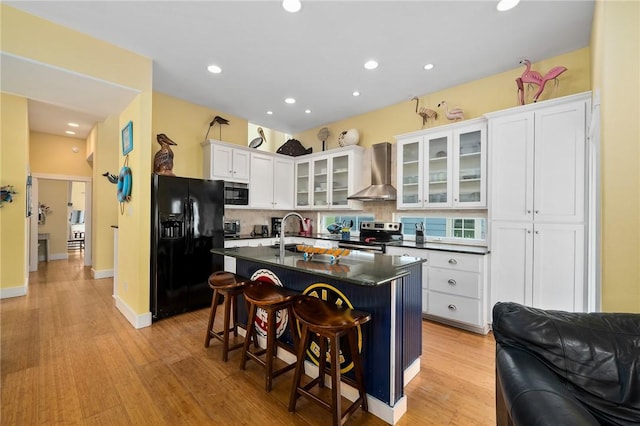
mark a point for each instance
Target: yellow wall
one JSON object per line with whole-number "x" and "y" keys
{"x": 55, "y": 194}
{"x": 53, "y": 154}
{"x": 134, "y": 225}
{"x": 186, "y": 124}
{"x": 475, "y": 98}
{"x": 14, "y": 154}
{"x": 616, "y": 64}
{"x": 78, "y": 192}
{"x": 34, "y": 38}
{"x": 105, "y": 211}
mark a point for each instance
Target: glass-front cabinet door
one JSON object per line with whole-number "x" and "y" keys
{"x": 321, "y": 182}
{"x": 339, "y": 180}
{"x": 303, "y": 180}
{"x": 410, "y": 172}
{"x": 438, "y": 170}
{"x": 470, "y": 178}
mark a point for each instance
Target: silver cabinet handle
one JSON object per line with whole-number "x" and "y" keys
{"x": 452, "y": 307}
{"x": 528, "y": 231}
{"x": 452, "y": 281}
{"x": 537, "y": 232}
{"x": 453, "y": 261}
{"x": 537, "y": 211}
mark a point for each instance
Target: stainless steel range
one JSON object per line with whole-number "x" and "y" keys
{"x": 374, "y": 236}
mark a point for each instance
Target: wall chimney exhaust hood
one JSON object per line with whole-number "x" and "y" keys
{"x": 381, "y": 188}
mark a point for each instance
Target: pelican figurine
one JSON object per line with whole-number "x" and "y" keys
{"x": 163, "y": 161}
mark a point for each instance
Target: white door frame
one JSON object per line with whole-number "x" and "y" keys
{"x": 33, "y": 243}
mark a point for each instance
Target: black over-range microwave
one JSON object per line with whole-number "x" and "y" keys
{"x": 236, "y": 193}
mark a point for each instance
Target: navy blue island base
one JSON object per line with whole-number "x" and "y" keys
{"x": 387, "y": 287}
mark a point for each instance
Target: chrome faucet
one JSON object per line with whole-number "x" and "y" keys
{"x": 282, "y": 226}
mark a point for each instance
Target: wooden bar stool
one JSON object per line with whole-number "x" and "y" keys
{"x": 271, "y": 298}
{"x": 329, "y": 322}
{"x": 228, "y": 286}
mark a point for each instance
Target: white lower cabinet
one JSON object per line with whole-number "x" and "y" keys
{"x": 457, "y": 289}
{"x": 454, "y": 287}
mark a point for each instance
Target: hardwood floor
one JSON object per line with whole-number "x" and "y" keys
{"x": 68, "y": 356}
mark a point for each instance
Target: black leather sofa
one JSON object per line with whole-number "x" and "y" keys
{"x": 561, "y": 368}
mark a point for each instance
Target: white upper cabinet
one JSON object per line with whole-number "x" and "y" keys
{"x": 271, "y": 185}
{"x": 223, "y": 161}
{"x": 325, "y": 180}
{"x": 538, "y": 164}
{"x": 443, "y": 167}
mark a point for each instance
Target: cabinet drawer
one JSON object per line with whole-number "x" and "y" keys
{"x": 451, "y": 260}
{"x": 461, "y": 283}
{"x": 456, "y": 308}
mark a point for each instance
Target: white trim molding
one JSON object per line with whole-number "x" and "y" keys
{"x": 137, "y": 320}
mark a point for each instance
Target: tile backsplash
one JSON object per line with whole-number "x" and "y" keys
{"x": 382, "y": 211}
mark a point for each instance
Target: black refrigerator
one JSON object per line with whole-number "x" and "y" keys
{"x": 186, "y": 223}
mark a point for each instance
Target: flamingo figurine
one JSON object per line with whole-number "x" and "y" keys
{"x": 424, "y": 112}
{"x": 453, "y": 114}
{"x": 534, "y": 77}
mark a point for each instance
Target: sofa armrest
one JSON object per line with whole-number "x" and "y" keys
{"x": 532, "y": 394}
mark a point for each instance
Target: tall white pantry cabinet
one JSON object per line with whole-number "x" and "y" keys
{"x": 538, "y": 204}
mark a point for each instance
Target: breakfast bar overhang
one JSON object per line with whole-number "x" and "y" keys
{"x": 387, "y": 287}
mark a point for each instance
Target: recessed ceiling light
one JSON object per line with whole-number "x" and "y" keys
{"x": 269, "y": 112}
{"x": 290, "y": 101}
{"x": 307, "y": 111}
{"x": 504, "y": 5}
{"x": 69, "y": 132}
{"x": 356, "y": 93}
{"x": 428, "y": 67}
{"x": 371, "y": 65}
{"x": 291, "y": 6}
{"x": 214, "y": 69}
{"x": 73, "y": 124}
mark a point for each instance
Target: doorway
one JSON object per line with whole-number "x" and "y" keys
{"x": 68, "y": 226}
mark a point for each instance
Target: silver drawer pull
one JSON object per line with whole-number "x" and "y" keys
{"x": 452, "y": 307}
{"x": 452, "y": 281}
{"x": 453, "y": 261}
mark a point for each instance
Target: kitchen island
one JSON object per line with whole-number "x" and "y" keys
{"x": 387, "y": 287}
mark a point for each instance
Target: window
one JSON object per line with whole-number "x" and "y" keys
{"x": 327, "y": 220}
{"x": 440, "y": 228}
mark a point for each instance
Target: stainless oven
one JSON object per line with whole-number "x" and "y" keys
{"x": 231, "y": 228}
{"x": 236, "y": 194}
{"x": 374, "y": 237}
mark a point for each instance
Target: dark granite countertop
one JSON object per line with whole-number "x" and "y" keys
{"x": 458, "y": 248}
{"x": 358, "y": 267}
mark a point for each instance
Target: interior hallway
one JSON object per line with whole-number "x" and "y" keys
{"x": 68, "y": 356}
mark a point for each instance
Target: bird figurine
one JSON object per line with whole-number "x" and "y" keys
{"x": 258, "y": 141}
{"x": 535, "y": 78}
{"x": 424, "y": 112}
{"x": 454, "y": 114}
{"x": 112, "y": 178}
{"x": 163, "y": 160}
{"x": 520, "y": 85}
{"x": 219, "y": 120}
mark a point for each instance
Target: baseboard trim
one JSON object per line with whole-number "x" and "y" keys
{"x": 412, "y": 371}
{"x": 137, "y": 320}
{"x": 59, "y": 256}
{"x": 100, "y": 274}
{"x": 9, "y": 292}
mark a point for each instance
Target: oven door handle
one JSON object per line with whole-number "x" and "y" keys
{"x": 361, "y": 247}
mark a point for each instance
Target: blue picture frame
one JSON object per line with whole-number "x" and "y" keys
{"x": 127, "y": 138}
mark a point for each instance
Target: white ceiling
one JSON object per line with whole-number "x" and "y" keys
{"x": 315, "y": 56}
